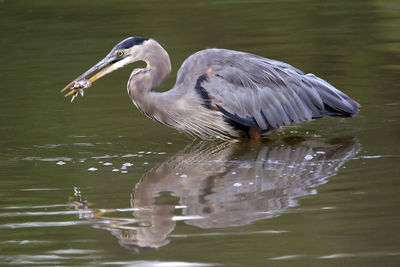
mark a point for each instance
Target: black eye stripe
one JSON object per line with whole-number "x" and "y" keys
{"x": 131, "y": 41}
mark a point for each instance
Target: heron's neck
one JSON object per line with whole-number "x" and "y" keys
{"x": 142, "y": 82}
{"x": 158, "y": 68}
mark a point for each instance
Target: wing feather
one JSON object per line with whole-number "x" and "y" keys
{"x": 252, "y": 90}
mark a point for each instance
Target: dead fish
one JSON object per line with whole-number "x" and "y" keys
{"x": 78, "y": 87}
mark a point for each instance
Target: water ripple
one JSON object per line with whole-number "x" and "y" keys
{"x": 39, "y": 189}
{"x": 338, "y": 255}
{"x": 73, "y": 251}
{"x": 160, "y": 264}
{"x": 43, "y": 213}
{"x": 229, "y": 233}
{"x": 36, "y": 207}
{"x": 42, "y": 224}
{"x": 25, "y": 242}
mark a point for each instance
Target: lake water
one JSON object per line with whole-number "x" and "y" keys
{"x": 94, "y": 182}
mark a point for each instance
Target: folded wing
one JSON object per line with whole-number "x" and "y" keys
{"x": 259, "y": 92}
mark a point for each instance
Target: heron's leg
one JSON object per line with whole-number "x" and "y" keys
{"x": 254, "y": 133}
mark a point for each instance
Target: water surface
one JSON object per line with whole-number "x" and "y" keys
{"x": 96, "y": 183}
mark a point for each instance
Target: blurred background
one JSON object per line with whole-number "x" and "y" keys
{"x": 83, "y": 183}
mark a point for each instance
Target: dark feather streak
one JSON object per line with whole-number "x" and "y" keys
{"x": 131, "y": 41}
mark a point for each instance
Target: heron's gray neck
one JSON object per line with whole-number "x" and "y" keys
{"x": 142, "y": 83}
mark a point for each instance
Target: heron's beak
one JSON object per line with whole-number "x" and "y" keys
{"x": 102, "y": 69}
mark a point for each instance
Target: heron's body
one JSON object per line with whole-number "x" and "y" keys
{"x": 225, "y": 93}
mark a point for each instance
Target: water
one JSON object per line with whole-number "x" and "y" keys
{"x": 96, "y": 183}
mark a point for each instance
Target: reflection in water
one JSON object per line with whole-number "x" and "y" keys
{"x": 225, "y": 185}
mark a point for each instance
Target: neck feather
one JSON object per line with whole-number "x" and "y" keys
{"x": 143, "y": 82}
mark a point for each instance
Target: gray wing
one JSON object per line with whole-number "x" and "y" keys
{"x": 259, "y": 92}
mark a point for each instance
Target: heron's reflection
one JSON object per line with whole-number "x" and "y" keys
{"x": 228, "y": 184}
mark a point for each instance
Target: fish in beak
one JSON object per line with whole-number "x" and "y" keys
{"x": 99, "y": 70}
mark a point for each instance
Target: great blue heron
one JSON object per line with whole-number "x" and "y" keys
{"x": 219, "y": 92}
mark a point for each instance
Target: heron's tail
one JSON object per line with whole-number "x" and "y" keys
{"x": 342, "y": 110}
{"x": 336, "y": 103}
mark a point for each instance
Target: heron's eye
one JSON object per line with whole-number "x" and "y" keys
{"x": 125, "y": 234}
{"x": 120, "y": 53}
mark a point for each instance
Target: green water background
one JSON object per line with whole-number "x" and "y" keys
{"x": 355, "y": 45}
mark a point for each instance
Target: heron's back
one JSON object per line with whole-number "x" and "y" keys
{"x": 254, "y": 91}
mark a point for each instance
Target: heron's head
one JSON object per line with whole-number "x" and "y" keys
{"x": 128, "y": 51}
